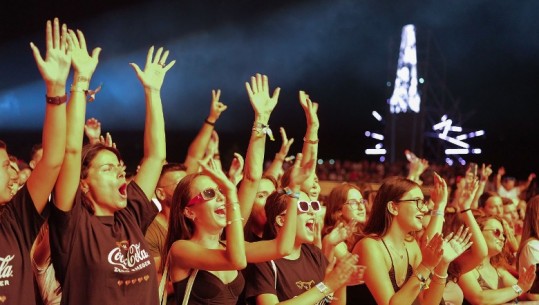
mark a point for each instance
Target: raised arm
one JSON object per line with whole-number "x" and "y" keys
{"x": 84, "y": 66}
{"x": 276, "y": 166}
{"x": 54, "y": 69}
{"x": 198, "y": 146}
{"x": 263, "y": 104}
{"x": 154, "y": 127}
{"x": 439, "y": 196}
{"x": 498, "y": 179}
{"x": 310, "y": 141}
{"x": 283, "y": 244}
{"x": 486, "y": 171}
{"x": 525, "y": 186}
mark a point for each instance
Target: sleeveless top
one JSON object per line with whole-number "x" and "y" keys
{"x": 209, "y": 289}
{"x": 360, "y": 294}
{"x": 484, "y": 285}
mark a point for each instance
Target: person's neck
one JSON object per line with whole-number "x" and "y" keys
{"x": 296, "y": 252}
{"x": 396, "y": 236}
{"x": 210, "y": 241}
{"x": 164, "y": 215}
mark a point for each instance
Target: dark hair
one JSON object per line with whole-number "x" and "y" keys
{"x": 392, "y": 189}
{"x": 172, "y": 167}
{"x": 334, "y": 203}
{"x": 276, "y": 203}
{"x": 530, "y": 227}
{"x": 179, "y": 226}
{"x": 3, "y": 145}
{"x": 89, "y": 152}
{"x": 507, "y": 201}
{"x": 35, "y": 148}
{"x": 482, "y": 201}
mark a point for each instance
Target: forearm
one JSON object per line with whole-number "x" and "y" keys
{"x": 197, "y": 147}
{"x": 275, "y": 166}
{"x": 287, "y": 237}
{"x": 480, "y": 190}
{"x": 310, "y": 144}
{"x": 154, "y": 128}
{"x": 235, "y": 240}
{"x": 493, "y": 296}
{"x": 434, "y": 294}
{"x": 411, "y": 289}
{"x": 479, "y": 249}
{"x": 436, "y": 221}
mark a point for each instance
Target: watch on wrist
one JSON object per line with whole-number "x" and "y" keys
{"x": 323, "y": 288}
{"x": 517, "y": 289}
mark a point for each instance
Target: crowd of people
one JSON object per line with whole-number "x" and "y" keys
{"x": 74, "y": 229}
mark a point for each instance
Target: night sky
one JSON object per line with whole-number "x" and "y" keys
{"x": 479, "y": 59}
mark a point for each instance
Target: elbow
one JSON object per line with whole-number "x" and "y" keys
{"x": 284, "y": 251}
{"x": 239, "y": 264}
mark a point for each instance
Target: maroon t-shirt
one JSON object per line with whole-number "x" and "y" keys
{"x": 105, "y": 259}
{"x": 294, "y": 277}
{"x": 19, "y": 225}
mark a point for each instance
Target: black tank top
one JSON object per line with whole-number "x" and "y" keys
{"x": 208, "y": 289}
{"x": 360, "y": 294}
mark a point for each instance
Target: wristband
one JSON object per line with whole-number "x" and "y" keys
{"x": 517, "y": 289}
{"x": 234, "y": 220}
{"x": 323, "y": 288}
{"x": 290, "y": 193}
{"x": 436, "y": 213}
{"x": 56, "y": 100}
{"x": 311, "y": 141}
{"x": 209, "y": 123}
{"x": 465, "y": 210}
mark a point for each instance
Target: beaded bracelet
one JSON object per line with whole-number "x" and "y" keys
{"x": 234, "y": 220}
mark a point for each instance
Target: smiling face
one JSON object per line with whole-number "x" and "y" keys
{"x": 353, "y": 209}
{"x": 105, "y": 184}
{"x": 409, "y": 216}
{"x": 494, "y": 236}
{"x": 209, "y": 215}
{"x": 494, "y": 206}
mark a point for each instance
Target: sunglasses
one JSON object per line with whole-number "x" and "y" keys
{"x": 421, "y": 203}
{"x": 496, "y": 232}
{"x": 354, "y": 204}
{"x": 303, "y": 206}
{"x": 205, "y": 195}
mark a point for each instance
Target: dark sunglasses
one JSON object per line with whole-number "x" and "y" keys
{"x": 303, "y": 206}
{"x": 205, "y": 195}
{"x": 496, "y": 232}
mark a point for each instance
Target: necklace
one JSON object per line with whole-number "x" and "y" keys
{"x": 400, "y": 254}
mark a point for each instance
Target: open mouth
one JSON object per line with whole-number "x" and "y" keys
{"x": 221, "y": 211}
{"x": 123, "y": 190}
{"x": 310, "y": 225}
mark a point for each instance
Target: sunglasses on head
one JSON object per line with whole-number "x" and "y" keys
{"x": 496, "y": 232}
{"x": 205, "y": 195}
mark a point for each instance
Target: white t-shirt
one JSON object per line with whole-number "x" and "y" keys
{"x": 528, "y": 256}
{"x": 513, "y": 193}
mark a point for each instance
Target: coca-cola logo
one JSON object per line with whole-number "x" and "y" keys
{"x": 6, "y": 269}
{"x": 127, "y": 256}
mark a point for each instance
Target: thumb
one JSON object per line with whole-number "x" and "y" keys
{"x": 96, "y": 52}
{"x": 136, "y": 68}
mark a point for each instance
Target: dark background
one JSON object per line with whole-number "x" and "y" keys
{"x": 479, "y": 59}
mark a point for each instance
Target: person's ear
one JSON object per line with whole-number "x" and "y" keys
{"x": 85, "y": 188}
{"x": 189, "y": 214}
{"x": 32, "y": 164}
{"x": 279, "y": 220}
{"x": 392, "y": 209}
{"x": 160, "y": 194}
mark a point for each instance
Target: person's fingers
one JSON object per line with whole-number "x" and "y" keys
{"x": 158, "y": 55}
{"x": 63, "y": 38}
{"x": 163, "y": 59}
{"x": 149, "y": 56}
{"x": 96, "y": 52}
{"x": 56, "y": 34}
{"x": 170, "y": 65}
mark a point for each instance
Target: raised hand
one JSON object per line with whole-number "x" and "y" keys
{"x": 55, "y": 67}
{"x": 217, "y": 107}
{"x": 300, "y": 173}
{"x": 501, "y": 171}
{"x": 216, "y": 173}
{"x": 439, "y": 192}
{"x": 339, "y": 234}
{"x": 83, "y": 64}
{"x": 92, "y": 129}
{"x": 339, "y": 272}
{"x": 310, "y": 108}
{"x": 526, "y": 280}
{"x": 258, "y": 91}
{"x": 467, "y": 195}
{"x": 455, "y": 244}
{"x": 431, "y": 251}
{"x": 486, "y": 171}
{"x": 107, "y": 140}
{"x": 155, "y": 69}
{"x": 285, "y": 145}
{"x": 235, "y": 173}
